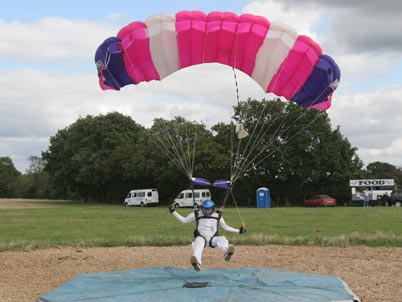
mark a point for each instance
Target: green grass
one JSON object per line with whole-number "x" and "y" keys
{"x": 78, "y": 224}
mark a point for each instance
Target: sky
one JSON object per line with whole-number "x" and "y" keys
{"x": 48, "y": 77}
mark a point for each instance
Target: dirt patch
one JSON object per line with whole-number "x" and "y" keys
{"x": 373, "y": 274}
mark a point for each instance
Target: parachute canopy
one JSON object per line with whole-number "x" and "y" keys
{"x": 272, "y": 53}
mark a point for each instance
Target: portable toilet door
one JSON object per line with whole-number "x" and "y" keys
{"x": 263, "y": 198}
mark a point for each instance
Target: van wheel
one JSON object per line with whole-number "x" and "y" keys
{"x": 142, "y": 205}
{"x": 176, "y": 205}
{"x": 398, "y": 204}
{"x": 126, "y": 204}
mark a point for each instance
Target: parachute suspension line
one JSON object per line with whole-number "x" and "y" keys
{"x": 190, "y": 175}
{"x": 248, "y": 150}
{"x": 259, "y": 137}
{"x": 171, "y": 148}
{"x": 237, "y": 91}
{"x": 252, "y": 134}
{"x": 194, "y": 145}
{"x": 252, "y": 143}
{"x": 246, "y": 164}
{"x": 230, "y": 192}
{"x": 277, "y": 148}
{"x": 238, "y": 210}
{"x": 232, "y": 128}
{"x": 167, "y": 143}
{"x": 176, "y": 144}
{"x": 232, "y": 158}
{"x": 171, "y": 143}
{"x": 236, "y": 158}
{"x": 182, "y": 156}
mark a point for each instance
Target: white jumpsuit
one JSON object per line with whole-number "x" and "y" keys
{"x": 206, "y": 233}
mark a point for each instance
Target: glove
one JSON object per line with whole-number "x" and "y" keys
{"x": 242, "y": 230}
{"x": 171, "y": 208}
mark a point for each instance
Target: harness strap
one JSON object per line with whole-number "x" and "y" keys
{"x": 198, "y": 217}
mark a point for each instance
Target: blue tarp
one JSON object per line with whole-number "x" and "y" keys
{"x": 167, "y": 284}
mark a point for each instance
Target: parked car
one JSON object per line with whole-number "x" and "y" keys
{"x": 320, "y": 201}
{"x": 142, "y": 197}
{"x": 396, "y": 198}
{"x": 185, "y": 198}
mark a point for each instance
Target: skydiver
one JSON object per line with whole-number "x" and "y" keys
{"x": 206, "y": 232}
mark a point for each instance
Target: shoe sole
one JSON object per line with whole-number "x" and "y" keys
{"x": 229, "y": 253}
{"x": 194, "y": 263}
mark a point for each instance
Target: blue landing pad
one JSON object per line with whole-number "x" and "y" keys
{"x": 169, "y": 284}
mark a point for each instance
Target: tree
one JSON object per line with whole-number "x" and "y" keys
{"x": 35, "y": 183}
{"x": 77, "y": 158}
{"x": 36, "y": 164}
{"x": 381, "y": 170}
{"x": 8, "y": 177}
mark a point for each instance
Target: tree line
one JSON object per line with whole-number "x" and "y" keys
{"x": 292, "y": 151}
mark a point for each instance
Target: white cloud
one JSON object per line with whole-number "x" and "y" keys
{"x": 391, "y": 154}
{"x": 351, "y": 26}
{"x": 51, "y": 40}
{"x": 301, "y": 17}
{"x": 371, "y": 122}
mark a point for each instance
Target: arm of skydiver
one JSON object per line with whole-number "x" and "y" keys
{"x": 228, "y": 228}
{"x": 190, "y": 217}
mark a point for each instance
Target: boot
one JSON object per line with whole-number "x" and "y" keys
{"x": 229, "y": 252}
{"x": 194, "y": 262}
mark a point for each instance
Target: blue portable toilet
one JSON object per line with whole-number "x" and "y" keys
{"x": 263, "y": 198}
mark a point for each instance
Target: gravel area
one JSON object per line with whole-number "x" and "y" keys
{"x": 373, "y": 274}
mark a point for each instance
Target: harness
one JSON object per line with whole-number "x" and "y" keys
{"x": 198, "y": 218}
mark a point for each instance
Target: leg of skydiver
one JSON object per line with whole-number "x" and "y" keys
{"x": 198, "y": 247}
{"x": 223, "y": 244}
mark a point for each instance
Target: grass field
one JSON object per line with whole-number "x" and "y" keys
{"x": 43, "y": 223}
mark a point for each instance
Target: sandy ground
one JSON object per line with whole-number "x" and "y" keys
{"x": 373, "y": 274}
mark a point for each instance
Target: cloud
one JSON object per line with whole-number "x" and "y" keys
{"x": 352, "y": 26}
{"x": 370, "y": 121}
{"x": 301, "y": 17}
{"x": 390, "y": 154}
{"x": 51, "y": 40}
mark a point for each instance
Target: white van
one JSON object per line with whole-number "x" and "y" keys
{"x": 185, "y": 198}
{"x": 143, "y": 197}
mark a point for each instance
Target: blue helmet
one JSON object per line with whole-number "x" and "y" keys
{"x": 208, "y": 204}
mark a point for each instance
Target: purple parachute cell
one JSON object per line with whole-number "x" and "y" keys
{"x": 223, "y": 184}
{"x": 200, "y": 182}
{"x": 110, "y": 64}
